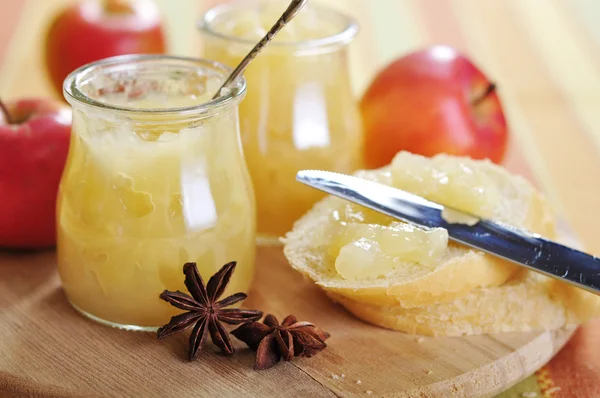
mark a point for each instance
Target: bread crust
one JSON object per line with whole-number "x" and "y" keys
{"x": 522, "y": 305}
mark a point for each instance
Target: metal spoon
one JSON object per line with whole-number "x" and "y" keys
{"x": 289, "y": 14}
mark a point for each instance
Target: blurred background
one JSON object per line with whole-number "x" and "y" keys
{"x": 544, "y": 56}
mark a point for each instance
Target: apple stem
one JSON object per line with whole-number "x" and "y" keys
{"x": 118, "y": 6}
{"x": 489, "y": 90}
{"x": 5, "y": 112}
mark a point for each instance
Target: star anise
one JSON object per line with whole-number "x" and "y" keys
{"x": 204, "y": 310}
{"x": 273, "y": 341}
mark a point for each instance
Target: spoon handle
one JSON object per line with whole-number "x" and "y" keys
{"x": 289, "y": 14}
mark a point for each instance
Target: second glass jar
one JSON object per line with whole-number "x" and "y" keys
{"x": 299, "y": 112}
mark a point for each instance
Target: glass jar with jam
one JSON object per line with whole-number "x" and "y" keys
{"x": 155, "y": 178}
{"x": 300, "y": 111}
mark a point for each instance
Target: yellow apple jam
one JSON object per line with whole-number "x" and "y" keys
{"x": 155, "y": 178}
{"x": 299, "y": 112}
{"x": 372, "y": 250}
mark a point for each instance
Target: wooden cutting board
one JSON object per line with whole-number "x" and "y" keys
{"x": 49, "y": 350}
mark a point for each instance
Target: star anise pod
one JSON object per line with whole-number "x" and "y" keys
{"x": 273, "y": 341}
{"x": 204, "y": 310}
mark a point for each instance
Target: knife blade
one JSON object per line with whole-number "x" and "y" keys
{"x": 519, "y": 246}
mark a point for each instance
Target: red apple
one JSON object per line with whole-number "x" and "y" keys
{"x": 429, "y": 102}
{"x": 34, "y": 142}
{"x": 95, "y": 29}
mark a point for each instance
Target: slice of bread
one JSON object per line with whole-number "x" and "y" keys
{"x": 410, "y": 284}
{"x": 457, "y": 272}
{"x": 523, "y": 304}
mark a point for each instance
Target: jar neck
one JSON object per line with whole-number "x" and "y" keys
{"x": 100, "y": 121}
{"x": 107, "y": 132}
{"x": 153, "y": 121}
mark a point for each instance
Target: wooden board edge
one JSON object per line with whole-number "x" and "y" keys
{"x": 504, "y": 373}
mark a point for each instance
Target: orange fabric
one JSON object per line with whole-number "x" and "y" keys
{"x": 575, "y": 370}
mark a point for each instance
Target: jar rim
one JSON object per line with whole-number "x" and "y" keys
{"x": 73, "y": 93}
{"x": 323, "y": 44}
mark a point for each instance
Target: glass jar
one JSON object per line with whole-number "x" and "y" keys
{"x": 300, "y": 112}
{"x": 155, "y": 178}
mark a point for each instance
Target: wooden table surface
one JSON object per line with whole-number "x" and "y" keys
{"x": 543, "y": 54}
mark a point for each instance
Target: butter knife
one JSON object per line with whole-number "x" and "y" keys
{"x": 510, "y": 243}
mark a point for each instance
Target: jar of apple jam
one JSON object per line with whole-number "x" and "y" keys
{"x": 155, "y": 178}
{"x": 300, "y": 111}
